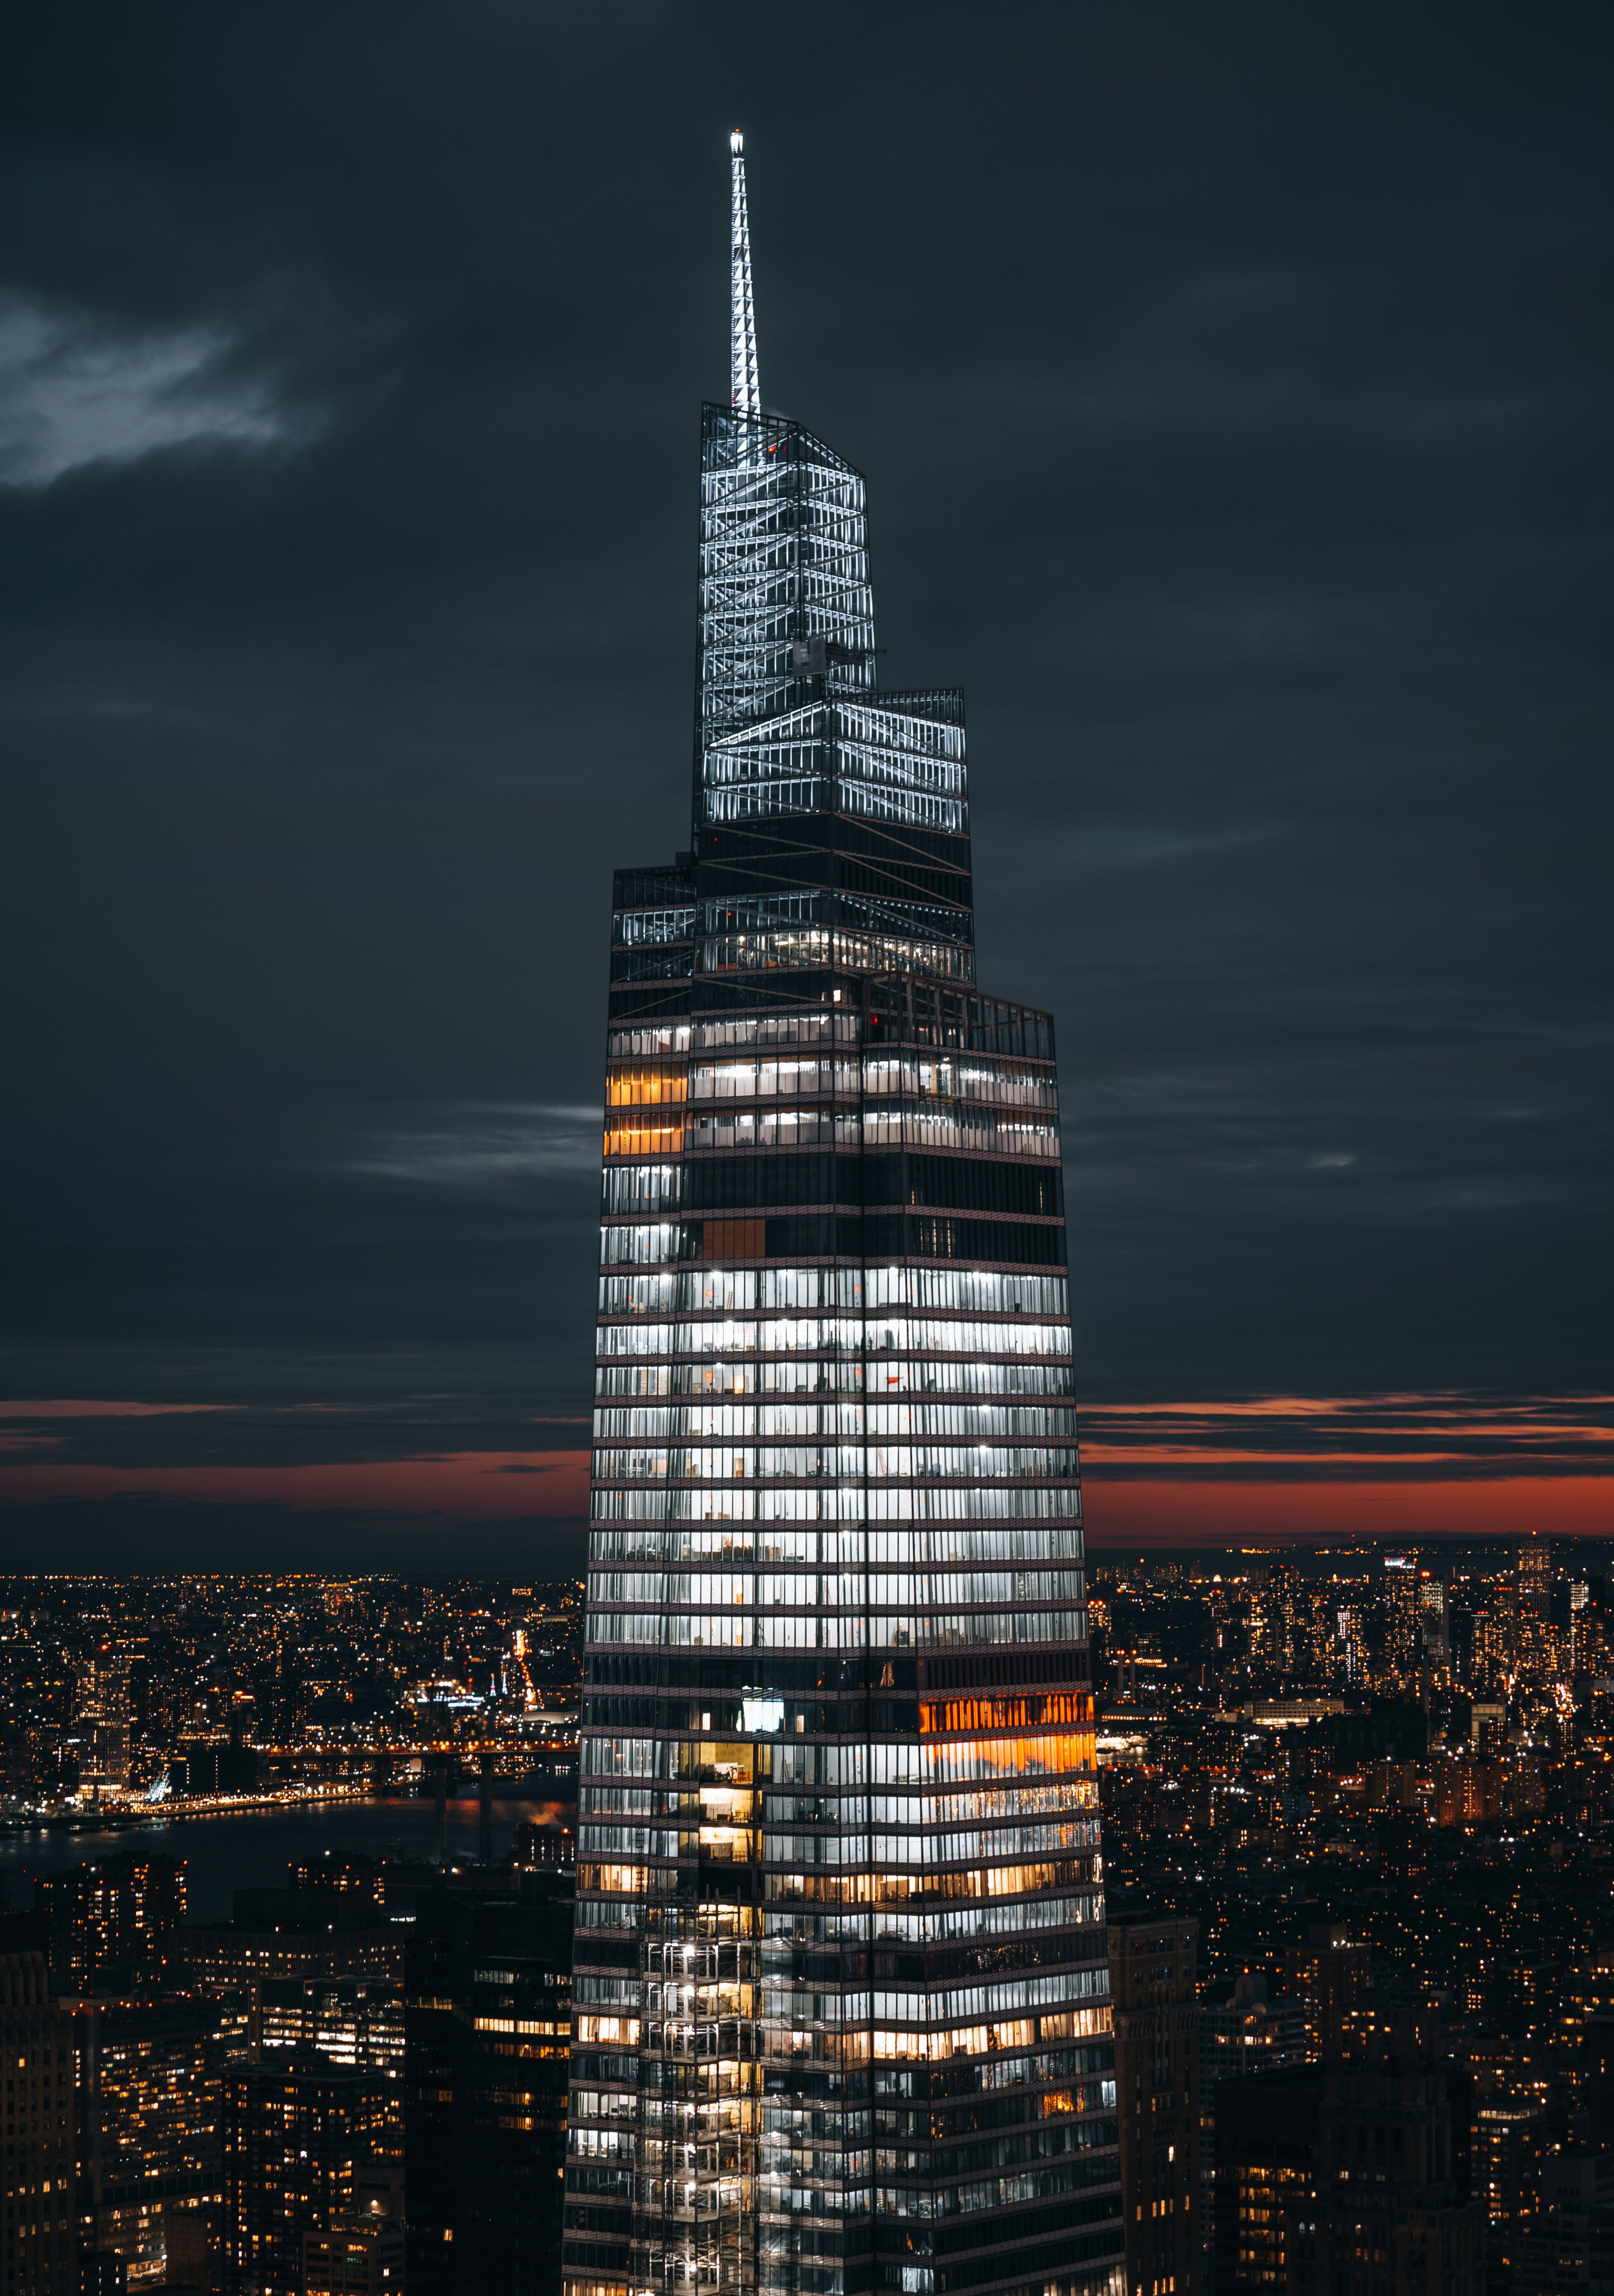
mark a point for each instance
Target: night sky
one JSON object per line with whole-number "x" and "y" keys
{"x": 1233, "y": 388}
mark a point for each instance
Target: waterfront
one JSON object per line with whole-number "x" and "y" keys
{"x": 224, "y": 1853}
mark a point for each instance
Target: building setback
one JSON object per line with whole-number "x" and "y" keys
{"x": 842, "y": 2016}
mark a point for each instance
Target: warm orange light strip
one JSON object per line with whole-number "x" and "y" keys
{"x": 1143, "y": 1512}
{"x": 660, "y": 1140}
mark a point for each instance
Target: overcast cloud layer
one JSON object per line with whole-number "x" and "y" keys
{"x": 1232, "y": 386}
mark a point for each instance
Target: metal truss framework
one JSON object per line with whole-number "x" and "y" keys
{"x": 785, "y": 605}
{"x": 747, "y": 396}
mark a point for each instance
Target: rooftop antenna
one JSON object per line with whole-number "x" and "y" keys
{"x": 747, "y": 396}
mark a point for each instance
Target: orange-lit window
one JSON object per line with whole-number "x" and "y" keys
{"x": 960, "y": 1716}
{"x": 633, "y": 1137}
{"x": 645, "y": 1084}
{"x": 734, "y": 1239}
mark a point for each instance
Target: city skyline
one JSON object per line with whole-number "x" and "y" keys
{"x": 1358, "y": 1815}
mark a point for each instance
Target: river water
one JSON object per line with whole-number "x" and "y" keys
{"x": 252, "y": 1849}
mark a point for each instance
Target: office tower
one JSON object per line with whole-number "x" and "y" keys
{"x": 1154, "y": 1999}
{"x": 487, "y": 2027}
{"x": 112, "y": 1917}
{"x": 38, "y": 2238}
{"x": 150, "y": 2072}
{"x": 1348, "y": 1652}
{"x": 1433, "y": 1605}
{"x": 843, "y": 2016}
{"x": 1589, "y": 1642}
{"x": 1403, "y": 1641}
{"x": 1284, "y": 1617}
{"x": 101, "y": 1723}
{"x": 298, "y": 2134}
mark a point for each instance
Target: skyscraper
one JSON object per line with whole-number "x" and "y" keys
{"x": 841, "y": 2002}
{"x": 485, "y": 2073}
{"x": 1155, "y": 2004}
{"x": 102, "y": 1724}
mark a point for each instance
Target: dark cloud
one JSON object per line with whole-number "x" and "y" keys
{"x": 1428, "y": 1439}
{"x": 142, "y": 1532}
{"x": 1233, "y": 388}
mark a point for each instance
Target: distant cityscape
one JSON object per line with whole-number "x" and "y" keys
{"x": 1358, "y": 1823}
{"x": 120, "y": 1694}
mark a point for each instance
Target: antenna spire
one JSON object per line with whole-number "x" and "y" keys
{"x": 747, "y": 396}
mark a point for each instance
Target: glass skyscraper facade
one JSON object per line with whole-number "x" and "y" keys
{"x": 841, "y": 2015}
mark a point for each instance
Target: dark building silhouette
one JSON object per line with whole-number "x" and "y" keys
{"x": 1155, "y": 2004}
{"x": 193, "y": 2249}
{"x": 297, "y": 2135}
{"x": 352, "y": 1882}
{"x": 487, "y": 2024}
{"x": 203, "y": 1767}
{"x": 1346, "y": 2178}
{"x": 1596, "y": 2070}
{"x": 103, "y": 2271}
{"x": 1570, "y": 2247}
{"x": 1391, "y": 2216}
{"x": 39, "y": 2249}
{"x": 1267, "y": 2139}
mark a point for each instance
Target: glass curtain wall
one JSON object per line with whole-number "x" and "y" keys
{"x": 841, "y": 2010}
